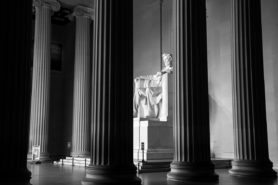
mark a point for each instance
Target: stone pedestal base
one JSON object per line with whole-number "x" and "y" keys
{"x": 111, "y": 176}
{"x": 157, "y": 137}
{"x": 80, "y": 155}
{"x": 153, "y": 166}
{"x": 192, "y": 172}
{"x": 44, "y": 157}
{"x": 253, "y": 169}
{"x": 74, "y": 161}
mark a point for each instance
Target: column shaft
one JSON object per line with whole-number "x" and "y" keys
{"x": 250, "y": 128}
{"x": 15, "y": 88}
{"x": 112, "y": 125}
{"x": 191, "y": 115}
{"x": 82, "y": 83}
{"x": 41, "y": 81}
{"x": 41, "y": 77}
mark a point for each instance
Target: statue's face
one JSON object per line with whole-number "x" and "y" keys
{"x": 167, "y": 60}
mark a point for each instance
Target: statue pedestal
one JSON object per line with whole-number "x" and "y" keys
{"x": 156, "y": 134}
{"x": 157, "y": 137}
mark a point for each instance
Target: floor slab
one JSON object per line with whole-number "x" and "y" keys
{"x": 49, "y": 174}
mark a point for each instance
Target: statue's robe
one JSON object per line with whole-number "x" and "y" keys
{"x": 147, "y": 98}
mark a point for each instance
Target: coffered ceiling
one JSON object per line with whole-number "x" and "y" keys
{"x": 62, "y": 16}
{"x": 72, "y": 3}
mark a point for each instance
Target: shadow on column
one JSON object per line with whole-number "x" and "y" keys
{"x": 250, "y": 124}
{"x": 15, "y": 89}
{"x": 112, "y": 83}
{"x": 192, "y": 161}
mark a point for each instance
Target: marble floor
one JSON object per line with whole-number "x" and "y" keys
{"x": 48, "y": 174}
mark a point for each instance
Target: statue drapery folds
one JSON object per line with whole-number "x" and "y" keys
{"x": 148, "y": 91}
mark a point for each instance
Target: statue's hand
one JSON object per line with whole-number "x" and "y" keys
{"x": 158, "y": 74}
{"x": 168, "y": 69}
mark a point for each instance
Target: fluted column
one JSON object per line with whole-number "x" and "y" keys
{"x": 41, "y": 76}
{"x": 112, "y": 124}
{"x": 15, "y": 90}
{"x": 82, "y": 83}
{"x": 191, "y": 115}
{"x": 250, "y": 128}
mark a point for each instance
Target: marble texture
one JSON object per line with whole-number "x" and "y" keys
{"x": 192, "y": 160}
{"x": 39, "y": 120}
{"x": 157, "y": 137}
{"x": 111, "y": 117}
{"x": 48, "y": 174}
{"x": 82, "y": 85}
{"x": 250, "y": 127}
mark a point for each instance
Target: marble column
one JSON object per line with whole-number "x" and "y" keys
{"x": 41, "y": 76}
{"x": 191, "y": 111}
{"x": 82, "y": 83}
{"x": 112, "y": 84}
{"x": 250, "y": 127}
{"x": 15, "y": 89}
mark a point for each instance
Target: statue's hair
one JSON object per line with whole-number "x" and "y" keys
{"x": 167, "y": 55}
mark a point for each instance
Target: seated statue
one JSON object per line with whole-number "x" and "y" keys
{"x": 148, "y": 97}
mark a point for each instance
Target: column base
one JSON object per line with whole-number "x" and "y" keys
{"x": 15, "y": 176}
{"x": 254, "y": 169}
{"x": 108, "y": 175}
{"x": 192, "y": 172}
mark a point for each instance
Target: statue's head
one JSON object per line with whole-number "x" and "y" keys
{"x": 167, "y": 59}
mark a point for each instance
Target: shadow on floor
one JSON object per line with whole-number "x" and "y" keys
{"x": 49, "y": 174}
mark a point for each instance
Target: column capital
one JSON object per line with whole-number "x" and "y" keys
{"x": 52, "y": 4}
{"x": 83, "y": 11}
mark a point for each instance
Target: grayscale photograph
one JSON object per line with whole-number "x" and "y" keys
{"x": 139, "y": 92}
